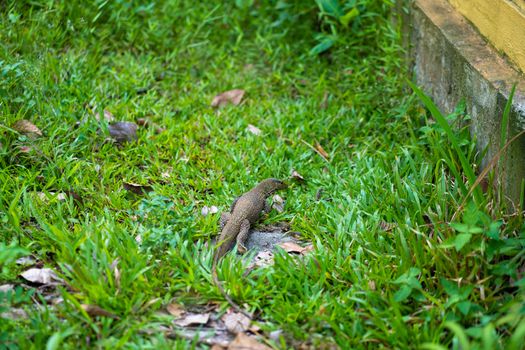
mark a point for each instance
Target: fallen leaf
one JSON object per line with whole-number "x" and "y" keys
{"x": 275, "y": 335}
{"x": 143, "y": 122}
{"x": 116, "y": 273}
{"x": 307, "y": 249}
{"x": 14, "y": 314}
{"x": 191, "y": 319}
{"x": 123, "y": 131}
{"x": 6, "y": 287}
{"x": 25, "y": 149}
{"x": 217, "y": 347}
{"x": 41, "y": 276}
{"x": 291, "y": 247}
{"x": 206, "y": 335}
{"x": 46, "y": 196}
{"x": 232, "y": 96}
{"x": 136, "y": 188}
{"x": 296, "y": 176}
{"x": 24, "y": 126}
{"x": 236, "y": 322}
{"x": 372, "y": 285}
{"x": 278, "y": 203}
{"x": 209, "y": 210}
{"x": 321, "y": 151}
{"x": 95, "y": 310}
{"x": 26, "y": 261}
{"x": 254, "y": 130}
{"x": 159, "y": 129}
{"x": 175, "y": 310}
{"x": 107, "y": 116}
{"x": 245, "y": 342}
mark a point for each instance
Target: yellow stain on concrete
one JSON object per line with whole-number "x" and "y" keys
{"x": 502, "y": 22}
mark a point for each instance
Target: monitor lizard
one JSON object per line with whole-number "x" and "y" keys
{"x": 235, "y": 226}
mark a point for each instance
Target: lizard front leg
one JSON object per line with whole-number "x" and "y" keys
{"x": 224, "y": 219}
{"x": 243, "y": 236}
{"x": 267, "y": 207}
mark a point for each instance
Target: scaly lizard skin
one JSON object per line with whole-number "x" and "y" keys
{"x": 235, "y": 225}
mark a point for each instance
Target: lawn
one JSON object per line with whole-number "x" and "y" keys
{"x": 405, "y": 250}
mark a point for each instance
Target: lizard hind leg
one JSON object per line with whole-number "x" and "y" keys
{"x": 243, "y": 236}
{"x": 224, "y": 219}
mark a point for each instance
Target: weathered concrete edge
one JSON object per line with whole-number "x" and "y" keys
{"x": 451, "y": 62}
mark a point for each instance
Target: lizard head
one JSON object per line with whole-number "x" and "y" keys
{"x": 271, "y": 185}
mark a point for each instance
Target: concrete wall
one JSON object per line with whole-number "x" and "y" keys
{"x": 451, "y": 61}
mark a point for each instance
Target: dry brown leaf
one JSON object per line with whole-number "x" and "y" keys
{"x": 291, "y": 247}
{"x": 307, "y": 249}
{"x": 136, "y": 188}
{"x": 159, "y": 129}
{"x": 321, "y": 151}
{"x": 245, "y": 342}
{"x": 191, "y": 319}
{"x": 175, "y": 309}
{"x": 123, "y": 131}
{"x": 232, "y": 96}
{"x": 41, "y": 276}
{"x": 107, "y": 116}
{"x": 217, "y": 347}
{"x": 145, "y": 122}
{"x": 296, "y": 176}
{"x": 236, "y": 322}
{"x": 24, "y": 126}
{"x": 254, "y": 130}
{"x": 95, "y": 310}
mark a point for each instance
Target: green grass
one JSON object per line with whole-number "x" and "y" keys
{"x": 426, "y": 282}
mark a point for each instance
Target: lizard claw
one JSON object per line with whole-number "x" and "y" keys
{"x": 241, "y": 248}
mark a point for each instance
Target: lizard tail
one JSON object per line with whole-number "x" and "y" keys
{"x": 218, "y": 283}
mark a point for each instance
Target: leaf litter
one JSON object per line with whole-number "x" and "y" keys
{"x": 44, "y": 276}
{"x": 26, "y": 127}
{"x": 231, "y": 96}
